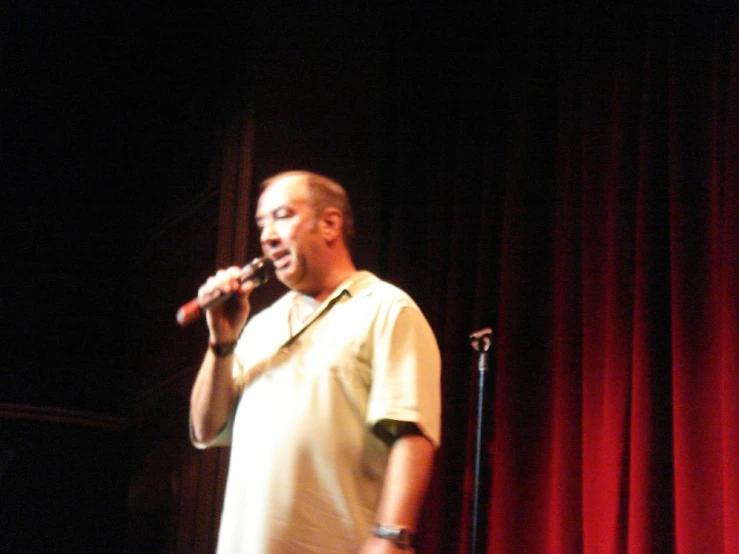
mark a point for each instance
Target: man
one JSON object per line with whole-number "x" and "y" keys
{"x": 329, "y": 398}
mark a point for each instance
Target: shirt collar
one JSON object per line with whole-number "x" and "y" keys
{"x": 352, "y": 286}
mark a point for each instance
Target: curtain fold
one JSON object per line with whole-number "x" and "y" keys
{"x": 615, "y": 411}
{"x": 703, "y": 376}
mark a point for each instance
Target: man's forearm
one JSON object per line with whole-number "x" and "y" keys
{"x": 406, "y": 481}
{"x": 213, "y": 396}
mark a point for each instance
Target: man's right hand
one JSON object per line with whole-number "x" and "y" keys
{"x": 226, "y": 320}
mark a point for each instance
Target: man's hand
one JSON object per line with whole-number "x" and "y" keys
{"x": 226, "y": 320}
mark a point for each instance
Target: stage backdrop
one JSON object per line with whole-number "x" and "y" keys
{"x": 569, "y": 177}
{"x": 606, "y": 256}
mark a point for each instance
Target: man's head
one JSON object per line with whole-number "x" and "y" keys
{"x": 322, "y": 193}
{"x": 306, "y": 226}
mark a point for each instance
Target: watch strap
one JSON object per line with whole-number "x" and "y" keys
{"x": 223, "y": 350}
{"x": 402, "y": 537}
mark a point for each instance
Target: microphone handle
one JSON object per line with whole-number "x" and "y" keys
{"x": 259, "y": 270}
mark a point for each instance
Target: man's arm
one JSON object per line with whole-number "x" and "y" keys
{"x": 214, "y": 392}
{"x": 407, "y": 480}
{"x": 213, "y": 397}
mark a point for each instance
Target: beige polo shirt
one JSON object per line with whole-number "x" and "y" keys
{"x": 306, "y": 471}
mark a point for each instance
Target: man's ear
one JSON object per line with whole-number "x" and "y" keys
{"x": 332, "y": 224}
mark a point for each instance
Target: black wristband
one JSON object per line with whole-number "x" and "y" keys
{"x": 223, "y": 350}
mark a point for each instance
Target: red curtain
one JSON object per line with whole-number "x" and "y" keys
{"x": 615, "y": 419}
{"x": 605, "y": 253}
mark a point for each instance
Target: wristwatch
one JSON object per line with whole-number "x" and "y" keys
{"x": 402, "y": 537}
{"x": 223, "y": 350}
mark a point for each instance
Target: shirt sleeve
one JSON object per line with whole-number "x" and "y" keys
{"x": 222, "y": 439}
{"x": 406, "y": 372}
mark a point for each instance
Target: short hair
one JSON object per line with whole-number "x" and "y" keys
{"x": 322, "y": 193}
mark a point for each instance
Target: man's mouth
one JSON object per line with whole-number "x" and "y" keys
{"x": 280, "y": 259}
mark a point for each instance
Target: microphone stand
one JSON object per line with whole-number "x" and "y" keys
{"x": 480, "y": 341}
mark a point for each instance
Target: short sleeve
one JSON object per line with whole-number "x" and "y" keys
{"x": 406, "y": 371}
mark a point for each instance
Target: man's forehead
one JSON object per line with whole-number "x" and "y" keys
{"x": 285, "y": 191}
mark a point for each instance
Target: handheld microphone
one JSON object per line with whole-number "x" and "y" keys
{"x": 258, "y": 271}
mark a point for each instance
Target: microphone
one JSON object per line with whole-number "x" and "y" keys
{"x": 258, "y": 271}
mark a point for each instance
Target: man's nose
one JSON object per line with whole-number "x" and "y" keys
{"x": 268, "y": 234}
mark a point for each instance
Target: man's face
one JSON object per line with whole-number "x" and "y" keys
{"x": 289, "y": 233}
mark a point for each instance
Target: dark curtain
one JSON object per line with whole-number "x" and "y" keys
{"x": 573, "y": 182}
